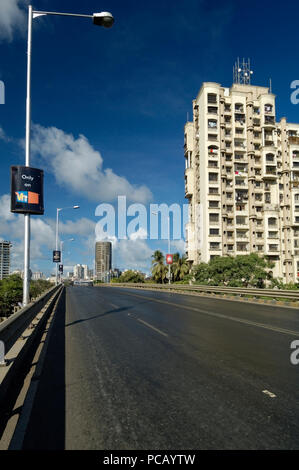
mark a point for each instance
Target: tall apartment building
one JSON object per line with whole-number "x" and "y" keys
{"x": 242, "y": 178}
{"x": 103, "y": 260}
{"x": 4, "y": 259}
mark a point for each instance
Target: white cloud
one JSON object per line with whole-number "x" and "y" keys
{"x": 12, "y": 18}
{"x": 79, "y": 167}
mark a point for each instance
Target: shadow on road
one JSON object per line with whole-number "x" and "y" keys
{"x": 46, "y": 428}
{"x": 117, "y": 310}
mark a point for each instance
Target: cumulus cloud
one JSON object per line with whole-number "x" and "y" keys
{"x": 79, "y": 167}
{"x": 12, "y": 18}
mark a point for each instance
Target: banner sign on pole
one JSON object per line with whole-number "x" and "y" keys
{"x": 169, "y": 259}
{"x": 56, "y": 256}
{"x": 27, "y": 190}
{"x": 60, "y": 268}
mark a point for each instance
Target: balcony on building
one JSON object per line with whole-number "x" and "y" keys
{"x": 268, "y": 108}
{"x": 241, "y": 221}
{"x": 239, "y": 157}
{"x": 241, "y": 169}
{"x": 214, "y": 232}
{"x": 242, "y": 235}
{"x": 213, "y": 137}
{"x": 272, "y": 222}
{"x": 239, "y": 108}
{"x": 215, "y": 246}
{"x": 242, "y": 247}
{"x": 214, "y": 219}
{"x": 257, "y": 123}
{"x": 269, "y": 121}
{"x": 272, "y": 249}
{"x": 213, "y": 164}
{"x": 273, "y": 235}
{"x": 270, "y": 172}
{"x": 293, "y": 140}
{"x": 270, "y": 207}
{"x": 213, "y": 191}
{"x": 295, "y": 160}
{"x": 213, "y": 151}
{"x": 240, "y": 145}
{"x": 241, "y": 182}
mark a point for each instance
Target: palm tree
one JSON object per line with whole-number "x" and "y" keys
{"x": 180, "y": 267}
{"x": 159, "y": 269}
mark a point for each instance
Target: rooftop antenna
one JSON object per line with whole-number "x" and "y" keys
{"x": 242, "y": 72}
{"x": 270, "y": 80}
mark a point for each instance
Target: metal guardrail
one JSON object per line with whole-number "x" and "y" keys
{"x": 12, "y": 328}
{"x": 243, "y": 292}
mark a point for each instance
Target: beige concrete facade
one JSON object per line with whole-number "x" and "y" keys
{"x": 242, "y": 178}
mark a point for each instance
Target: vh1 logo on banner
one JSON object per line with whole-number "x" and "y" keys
{"x": 27, "y": 190}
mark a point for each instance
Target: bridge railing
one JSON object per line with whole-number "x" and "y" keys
{"x": 12, "y": 328}
{"x": 239, "y": 291}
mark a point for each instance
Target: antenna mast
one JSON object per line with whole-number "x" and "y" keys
{"x": 242, "y": 72}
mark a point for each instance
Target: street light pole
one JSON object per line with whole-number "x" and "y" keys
{"x": 169, "y": 273}
{"x": 100, "y": 19}
{"x": 26, "y": 280}
{"x": 57, "y": 224}
{"x": 61, "y": 249}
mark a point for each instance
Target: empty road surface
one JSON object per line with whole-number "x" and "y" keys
{"x": 133, "y": 369}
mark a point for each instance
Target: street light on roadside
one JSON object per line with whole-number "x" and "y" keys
{"x": 103, "y": 18}
{"x": 61, "y": 249}
{"x": 57, "y": 230}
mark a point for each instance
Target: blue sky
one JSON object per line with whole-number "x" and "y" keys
{"x": 109, "y": 106}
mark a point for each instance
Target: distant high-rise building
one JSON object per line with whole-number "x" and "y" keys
{"x": 85, "y": 271}
{"x": 103, "y": 260}
{"x": 38, "y": 275}
{"x": 79, "y": 271}
{"x": 242, "y": 177}
{"x": 4, "y": 259}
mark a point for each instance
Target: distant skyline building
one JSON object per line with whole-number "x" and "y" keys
{"x": 78, "y": 271}
{"x": 103, "y": 260}
{"x": 37, "y": 276}
{"x": 5, "y": 248}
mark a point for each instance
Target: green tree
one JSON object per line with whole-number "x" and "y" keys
{"x": 11, "y": 293}
{"x": 131, "y": 276}
{"x": 159, "y": 269}
{"x": 38, "y": 287}
{"x": 180, "y": 267}
{"x": 240, "y": 271}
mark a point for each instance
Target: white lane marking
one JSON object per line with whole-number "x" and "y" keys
{"x": 152, "y": 327}
{"x": 270, "y": 394}
{"x": 219, "y": 315}
{"x": 114, "y": 306}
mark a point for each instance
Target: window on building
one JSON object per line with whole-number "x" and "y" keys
{"x": 212, "y": 123}
{"x": 213, "y": 177}
{"x": 212, "y": 98}
{"x": 214, "y": 218}
{"x": 215, "y": 246}
{"x": 214, "y": 204}
{"x": 272, "y": 221}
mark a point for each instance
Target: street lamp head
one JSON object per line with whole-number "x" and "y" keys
{"x": 103, "y": 19}
{"x": 76, "y": 207}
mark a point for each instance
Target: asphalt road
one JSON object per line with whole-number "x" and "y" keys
{"x": 131, "y": 369}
